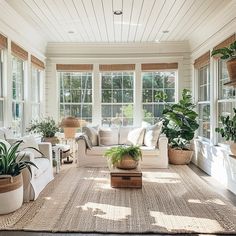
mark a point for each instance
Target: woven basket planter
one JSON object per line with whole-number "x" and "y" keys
{"x": 179, "y": 157}
{"x": 11, "y": 193}
{"x": 127, "y": 163}
{"x": 231, "y": 67}
{"x": 53, "y": 140}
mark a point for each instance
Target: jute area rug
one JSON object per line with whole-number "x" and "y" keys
{"x": 173, "y": 200}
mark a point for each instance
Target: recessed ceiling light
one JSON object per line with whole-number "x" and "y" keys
{"x": 165, "y": 31}
{"x": 71, "y": 31}
{"x": 118, "y": 12}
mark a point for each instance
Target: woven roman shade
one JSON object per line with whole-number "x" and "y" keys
{"x": 226, "y": 42}
{"x": 3, "y": 42}
{"x": 202, "y": 60}
{"x": 159, "y": 66}
{"x": 37, "y": 63}
{"x": 19, "y": 51}
{"x": 74, "y": 67}
{"x": 117, "y": 67}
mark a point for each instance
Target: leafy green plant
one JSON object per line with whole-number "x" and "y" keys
{"x": 10, "y": 162}
{"x": 46, "y": 126}
{"x": 116, "y": 154}
{"x": 180, "y": 122}
{"x": 226, "y": 53}
{"x": 228, "y": 129}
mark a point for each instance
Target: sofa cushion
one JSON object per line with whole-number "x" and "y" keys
{"x": 92, "y": 133}
{"x": 123, "y": 134}
{"x": 149, "y": 151}
{"x": 135, "y": 136}
{"x": 108, "y": 136}
{"x": 43, "y": 164}
{"x": 97, "y": 150}
{"x": 29, "y": 141}
{"x": 152, "y": 134}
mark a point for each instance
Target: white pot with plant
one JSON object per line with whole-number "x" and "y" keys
{"x": 179, "y": 125}
{"x": 228, "y": 130}
{"x": 11, "y": 183}
{"x": 124, "y": 157}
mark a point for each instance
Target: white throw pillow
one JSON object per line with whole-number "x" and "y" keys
{"x": 108, "y": 136}
{"x": 123, "y": 134}
{"x": 92, "y": 133}
{"x": 29, "y": 141}
{"x": 152, "y": 134}
{"x": 135, "y": 136}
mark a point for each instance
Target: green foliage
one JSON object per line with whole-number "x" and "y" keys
{"x": 228, "y": 129}
{"x": 180, "y": 121}
{"x": 148, "y": 116}
{"x": 161, "y": 96}
{"x": 10, "y": 164}
{"x": 47, "y": 127}
{"x": 226, "y": 53}
{"x": 116, "y": 154}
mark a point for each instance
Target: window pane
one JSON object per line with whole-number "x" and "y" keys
{"x": 1, "y": 113}
{"x": 155, "y": 83}
{"x": 117, "y": 98}
{"x": 204, "y": 120}
{"x": 204, "y": 84}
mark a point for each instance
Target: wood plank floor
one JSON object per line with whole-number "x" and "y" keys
{"x": 215, "y": 185}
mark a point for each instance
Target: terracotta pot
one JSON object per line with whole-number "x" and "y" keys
{"x": 179, "y": 157}
{"x": 127, "y": 163}
{"x": 53, "y": 140}
{"x": 11, "y": 193}
{"x": 231, "y": 67}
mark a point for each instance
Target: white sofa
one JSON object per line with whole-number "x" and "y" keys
{"x": 35, "y": 183}
{"x": 153, "y": 157}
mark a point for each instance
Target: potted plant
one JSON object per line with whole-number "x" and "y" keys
{"x": 11, "y": 183}
{"x": 228, "y": 130}
{"x": 229, "y": 54}
{"x": 124, "y": 157}
{"x": 47, "y": 127}
{"x": 179, "y": 125}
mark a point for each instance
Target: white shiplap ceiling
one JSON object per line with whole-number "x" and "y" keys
{"x": 93, "y": 21}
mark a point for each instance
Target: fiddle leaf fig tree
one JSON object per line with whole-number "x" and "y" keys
{"x": 180, "y": 122}
{"x": 228, "y": 129}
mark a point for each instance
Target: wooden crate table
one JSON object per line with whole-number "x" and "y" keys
{"x": 126, "y": 178}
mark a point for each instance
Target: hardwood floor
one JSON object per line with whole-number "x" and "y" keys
{"x": 216, "y": 186}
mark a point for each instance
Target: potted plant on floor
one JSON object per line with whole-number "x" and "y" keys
{"x": 47, "y": 127}
{"x": 11, "y": 183}
{"x": 228, "y": 130}
{"x": 124, "y": 157}
{"x": 179, "y": 125}
{"x": 229, "y": 54}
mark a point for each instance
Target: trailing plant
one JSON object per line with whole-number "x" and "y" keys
{"x": 116, "y": 154}
{"x": 228, "y": 129}
{"x": 10, "y": 162}
{"x": 46, "y": 126}
{"x": 180, "y": 121}
{"x": 226, "y": 53}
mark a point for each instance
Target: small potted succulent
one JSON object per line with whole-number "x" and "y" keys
{"x": 228, "y": 54}
{"x": 47, "y": 127}
{"x": 11, "y": 182}
{"x": 124, "y": 157}
{"x": 228, "y": 130}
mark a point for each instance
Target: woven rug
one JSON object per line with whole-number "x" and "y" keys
{"x": 173, "y": 200}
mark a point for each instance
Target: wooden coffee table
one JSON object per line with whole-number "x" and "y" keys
{"x": 126, "y": 178}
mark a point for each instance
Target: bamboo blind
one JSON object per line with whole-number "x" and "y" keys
{"x": 117, "y": 67}
{"x": 226, "y": 42}
{"x": 37, "y": 63}
{"x": 202, "y": 60}
{"x": 19, "y": 52}
{"x": 3, "y": 42}
{"x": 74, "y": 67}
{"x": 159, "y": 66}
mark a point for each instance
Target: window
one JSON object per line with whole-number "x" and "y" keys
{"x": 226, "y": 95}
{"x": 117, "y": 98}
{"x": 17, "y": 95}
{"x": 1, "y": 89}
{"x": 154, "y": 83}
{"x": 76, "y": 95}
{"x": 204, "y": 101}
{"x": 35, "y": 93}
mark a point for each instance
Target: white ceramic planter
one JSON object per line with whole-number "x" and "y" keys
{"x": 11, "y": 194}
